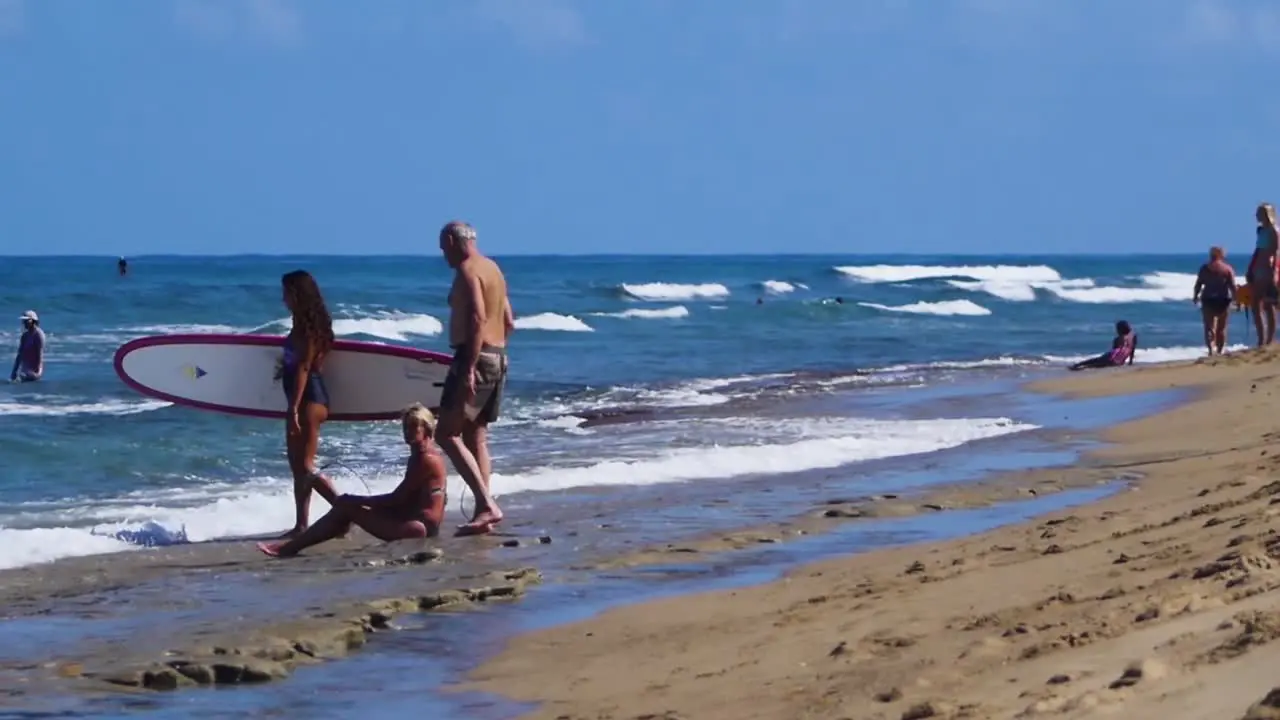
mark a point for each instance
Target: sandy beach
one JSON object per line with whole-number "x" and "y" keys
{"x": 1153, "y": 602}
{"x": 217, "y": 613}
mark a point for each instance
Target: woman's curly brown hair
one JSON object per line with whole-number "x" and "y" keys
{"x": 311, "y": 318}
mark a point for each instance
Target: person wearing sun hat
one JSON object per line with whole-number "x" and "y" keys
{"x": 28, "y": 366}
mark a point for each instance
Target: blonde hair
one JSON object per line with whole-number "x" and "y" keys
{"x": 419, "y": 415}
{"x": 1270, "y": 210}
{"x": 1216, "y": 253}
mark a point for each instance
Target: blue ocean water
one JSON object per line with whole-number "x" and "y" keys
{"x": 625, "y": 371}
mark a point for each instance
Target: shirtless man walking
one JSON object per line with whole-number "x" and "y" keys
{"x": 480, "y": 321}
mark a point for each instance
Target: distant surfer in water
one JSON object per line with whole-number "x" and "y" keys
{"x": 1214, "y": 291}
{"x": 301, "y": 375}
{"x": 28, "y": 366}
{"x": 1261, "y": 275}
{"x": 480, "y": 321}
{"x": 123, "y": 266}
{"x": 414, "y": 509}
{"x": 1123, "y": 347}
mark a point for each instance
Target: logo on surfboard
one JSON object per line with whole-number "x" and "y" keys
{"x": 195, "y": 372}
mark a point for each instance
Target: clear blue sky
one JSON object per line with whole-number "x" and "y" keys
{"x": 335, "y": 126}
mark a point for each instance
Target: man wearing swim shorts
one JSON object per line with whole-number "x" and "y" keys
{"x": 480, "y": 321}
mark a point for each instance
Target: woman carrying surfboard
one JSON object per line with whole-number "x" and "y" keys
{"x": 305, "y": 350}
{"x": 414, "y": 509}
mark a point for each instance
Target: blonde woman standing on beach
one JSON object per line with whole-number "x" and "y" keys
{"x": 1261, "y": 275}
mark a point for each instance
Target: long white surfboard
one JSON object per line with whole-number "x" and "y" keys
{"x": 236, "y": 374}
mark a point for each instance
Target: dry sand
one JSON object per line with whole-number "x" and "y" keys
{"x": 1158, "y": 602}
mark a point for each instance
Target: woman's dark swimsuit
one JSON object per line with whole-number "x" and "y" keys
{"x": 1269, "y": 292}
{"x": 314, "y": 391}
{"x": 1217, "y": 294}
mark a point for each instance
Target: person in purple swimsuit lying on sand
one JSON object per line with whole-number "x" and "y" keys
{"x": 1123, "y": 347}
{"x": 414, "y": 509}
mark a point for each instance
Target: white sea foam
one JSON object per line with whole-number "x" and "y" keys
{"x": 810, "y": 445}
{"x": 218, "y": 510}
{"x": 705, "y": 384}
{"x": 670, "y": 313}
{"x": 56, "y": 408}
{"x": 38, "y": 545}
{"x": 677, "y": 396}
{"x": 1150, "y": 355}
{"x": 781, "y": 287}
{"x": 1014, "y": 283}
{"x": 552, "y": 321}
{"x": 945, "y": 307}
{"x": 698, "y": 392}
{"x": 1018, "y": 290}
{"x": 1003, "y": 361}
{"x": 182, "y": 329}
{"x": 1145, "y": 355}
{"x": 684, "y": 395}
{"x": 568, "y": 423}
{"x": 674, "y": 291}
{"x": 389, "y": 325}
{"x": 1155, "y": 287}
{"x": 908, "y": 273}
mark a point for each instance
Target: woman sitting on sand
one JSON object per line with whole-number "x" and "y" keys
{"x": 306, "y": 396}
{"x": 414, "y": 509}
{"x": 1261, "y": 275}
{"x": 1215, "y": 290}
{"x": 1123, "y": 347}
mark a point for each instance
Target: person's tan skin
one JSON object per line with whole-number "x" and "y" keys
{"x": 480, "y": 315}
{"x": 1262, "y": 276}
{"x": 1215, "y": 291}
{"x": 415, "y": 509}
{"x": 310, "y": 341}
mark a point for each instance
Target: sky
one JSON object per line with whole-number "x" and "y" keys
{"x": 647, "y": 126}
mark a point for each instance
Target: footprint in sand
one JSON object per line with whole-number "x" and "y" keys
{"x": 1268, "y": 708}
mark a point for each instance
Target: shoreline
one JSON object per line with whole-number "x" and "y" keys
{"x": 1036, "y": 618}
{"x": 981, "y": 487}
{"x": 275, "y": 647}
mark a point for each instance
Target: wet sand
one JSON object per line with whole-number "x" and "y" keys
{"x": 1157, "y": 601}
{"x": 219, "y": 613}
{"x": 222, "y": 614}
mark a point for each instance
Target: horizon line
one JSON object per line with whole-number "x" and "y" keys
{"x": 57, "y": 256}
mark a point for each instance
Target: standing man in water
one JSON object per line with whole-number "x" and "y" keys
{"x": 28, "y": 366}
{"x": 480, "y": 321}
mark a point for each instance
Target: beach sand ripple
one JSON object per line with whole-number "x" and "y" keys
{"x": 1158, "y": 601}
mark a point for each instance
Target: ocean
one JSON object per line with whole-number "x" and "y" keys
{"x": 626, "y": 371}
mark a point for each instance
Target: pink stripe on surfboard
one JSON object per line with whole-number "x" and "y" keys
{"x": 260, "y": 341}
